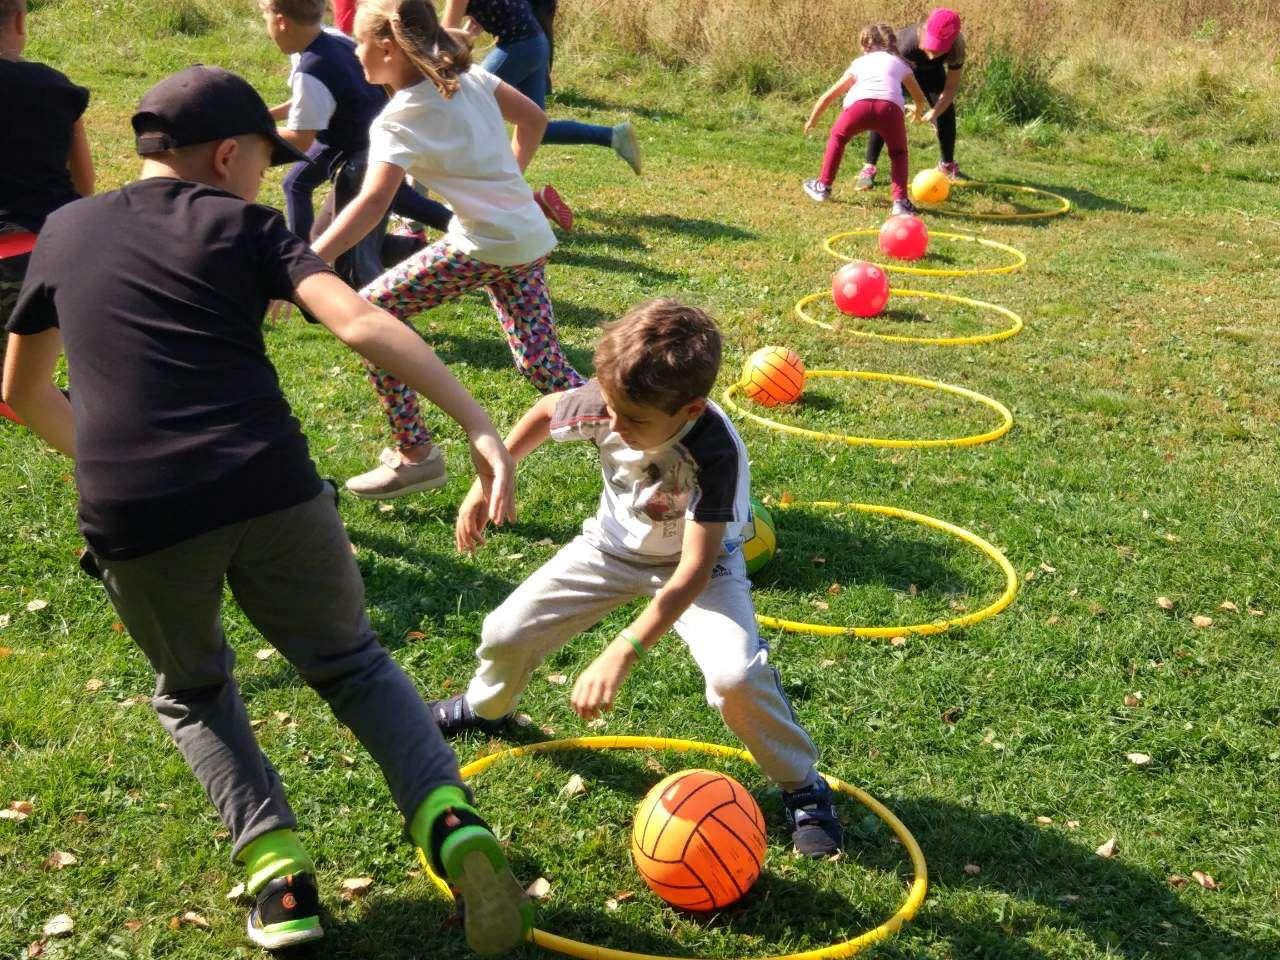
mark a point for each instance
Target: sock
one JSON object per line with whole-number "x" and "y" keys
{"x": 438, "y": 801}
{"x": 275, "y": 854}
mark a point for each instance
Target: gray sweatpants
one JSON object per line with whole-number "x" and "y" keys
{"x": 294, "y": 576}
{"x": 574, "y": 590}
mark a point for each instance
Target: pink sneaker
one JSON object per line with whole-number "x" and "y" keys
{"x": 556, "y": 210}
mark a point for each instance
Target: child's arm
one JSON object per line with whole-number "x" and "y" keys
{"x": 947, "y": 96}
{"x": 29, "y": 388}
{"x": 80, "y": 161}
{"x": 454, "y": 11}
{"x": 357, "y": 218}
{"x": 599, "y": 683}
{"x": 281, "y": 110}
{"x": 302, "y": 139}
{"x": 378, "y": 336}
{"x": 834, "y": 93}
{"x": 917, "y": 95}
{"x": 529, "y": 433}
{"x": 529, "y": 120}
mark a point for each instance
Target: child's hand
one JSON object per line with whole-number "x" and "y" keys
{"x": 808, "y": 126}
{"x": 599, "y": 683}
{"x": 473, "y": 517}
{"x": 929, "y": 116}
{"x": 496, "y": 472}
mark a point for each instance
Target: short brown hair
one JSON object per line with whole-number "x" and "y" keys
{"x": 299, "y": 11}
{"x": 662, "y": 354}
{"x": 11, "y": 8}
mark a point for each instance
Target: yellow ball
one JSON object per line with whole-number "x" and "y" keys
{"x": 930, "y": 187}
{"x": 759, "y": 538}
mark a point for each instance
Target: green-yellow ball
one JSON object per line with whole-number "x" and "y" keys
{"x": 760, "y": 538}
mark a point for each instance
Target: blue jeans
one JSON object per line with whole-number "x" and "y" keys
{"x": 301, "y": 181}
{"x": 526, "y": 64}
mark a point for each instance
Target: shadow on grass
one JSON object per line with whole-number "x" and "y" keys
{"x": 602, "y": 261}
{"x": 1047, "y": 886}
{"x": 569, "y": 98}
{"x": 492, "y": 353}
{"x": 1080, "y": 200}
{"x": 690, "y": 226}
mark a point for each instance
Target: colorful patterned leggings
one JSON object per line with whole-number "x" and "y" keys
{"x": 519, "y": 296}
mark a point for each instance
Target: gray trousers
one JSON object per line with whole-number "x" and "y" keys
{"x": 293, "y": 574}
{"x": 574, "y": 590}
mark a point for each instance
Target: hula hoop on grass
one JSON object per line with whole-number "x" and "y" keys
{"x": 1017, "y": 263}
{"x": 586, "y": 951}
{"x": 1064, "y": 205}
{"x": 972, "y": 440}
{"x": 919, "y": 629}
{"x": 1015, "y": 326}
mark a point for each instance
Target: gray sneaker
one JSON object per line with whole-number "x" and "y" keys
{"x": 901, "y": 207}
{"x": 817, "y": 190}
{"x": 394, "y": 477}
{"x": 626, "y": 145}
{"x": 867, "y": 178}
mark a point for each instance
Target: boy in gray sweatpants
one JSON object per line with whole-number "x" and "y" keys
{"x": 675, "y": 501}
{"x": 193, "y": 474}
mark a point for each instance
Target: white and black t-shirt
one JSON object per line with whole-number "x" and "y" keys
{"x": 699, "y": 474}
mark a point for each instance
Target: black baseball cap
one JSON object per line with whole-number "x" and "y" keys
{"x": 201, "y": 104}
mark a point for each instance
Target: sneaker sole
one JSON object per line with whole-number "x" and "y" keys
{"x": 630, "y": 153}
{"x": 497, "y": 914}
{"x": 555, "y": 209}
{"x": 433, "y": 484}
{"x": 863, "y": 187}
{"x": 285, "y": 935}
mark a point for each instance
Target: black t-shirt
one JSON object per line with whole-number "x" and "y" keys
{"x": 929, "y": 72}
{"x": 160, "y": 289}
{"x": 39, "y": 108}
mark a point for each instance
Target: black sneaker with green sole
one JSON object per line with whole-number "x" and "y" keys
{"x": 287, "y": 913}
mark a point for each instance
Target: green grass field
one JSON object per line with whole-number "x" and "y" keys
{"x": 1141, "y": 466}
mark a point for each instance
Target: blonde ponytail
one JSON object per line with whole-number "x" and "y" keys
{"x": 879, "y": 36}
{"x": 412, "y": 25}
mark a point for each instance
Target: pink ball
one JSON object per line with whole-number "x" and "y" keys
{"x": 904, "y": 237}
{"x": 860, "y": 288}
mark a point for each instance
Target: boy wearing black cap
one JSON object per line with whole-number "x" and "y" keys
{"x": 192, "y": 472}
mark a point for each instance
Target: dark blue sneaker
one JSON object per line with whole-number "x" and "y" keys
{"x": 816, "y": 830}
{"x": 455, "y": 716}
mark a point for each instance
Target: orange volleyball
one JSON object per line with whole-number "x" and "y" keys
{"x": 773, "y": 375}
{"x": 698, "y": 840}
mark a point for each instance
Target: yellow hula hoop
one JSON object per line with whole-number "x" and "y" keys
{"x": 972, "y": 440}
{"x": 1019, "y": 258}
{"x": 586, "y": 951}
{"x": 1014, "y": 327}
{"x": 1064, "y": 205}
{"x": 920, "y": 629}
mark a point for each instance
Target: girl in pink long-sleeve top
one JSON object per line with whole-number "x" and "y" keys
{"x": 872, "y": 90}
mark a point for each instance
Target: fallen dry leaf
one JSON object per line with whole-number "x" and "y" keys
{"x": 1139, "y": 759}
{"x": 93, "y": 685}
{"x": 972, "y": 869}
{"x": 1108, "y": 849}
{"x": 415, "y": 635}
{"x": 1133, "y": 699}
{"x": 1045, "y": 568}
{"x": 1202, "y": 878}
{"x": 523, "y": 720}
{"x": 540, "y": 889}
{"x": 1255, "y": 611}
{"x": 835, "y": 589}
{"x": 1228, "y": 605}
{"x": 35, "y": 949}
{"x": 898, "y": 641}
{"x": 6, "y": 652}
{"x": 193, "y": 919}
{"x": 1068, "y": 899}
{"x": 1177, "y": 881}
{"x": 622, "y": 896}
{"x": 1073, "y": 824}
{"x": 35, "y": 606}
{"x": 133, "y": 926}
{"x": 575, "y": 786}
{"x": 599, "y": 723}
{"x": 544, "y": 542}
{"x": 266, "y": 653}
{"x": 653, "y": 766}
{"x": 821, "y": 604}
{"x": 611, "y": 904}
{"x": 17, "y": 816}
{"x": 1164, "y": 603}
{"x": 1044, "y": 821}
{"x": 80, "y": 817}
{"x": 354, "y": 887}
{"x": 346, "y": 760}
{"x": 827, "y": 664}
{"x": 817, "y": 560}
{"x": 236, "y": 892}
{"x": 1053, "y": 619}
{"x": 912, "y": 590}
{"x": 118, "y": 627}
{"x": 257, "y": 724}
{"x": 59, "y": 926}
{"x": 952, "y": 714}
{"x": 1201, "y": 621}
{"x": 386, "y": 508}
{"x": 559, "y": 679}
{"x": 786, "y": 498}
{"x": 5, "y": 620}
{"x": 59, "y": 860}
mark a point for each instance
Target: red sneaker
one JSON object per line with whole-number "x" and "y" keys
{"x": 556, "y": 210}
{"x": 6, "y": 411}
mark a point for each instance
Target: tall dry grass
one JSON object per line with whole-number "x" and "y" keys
{"x": 1140, "y": 63}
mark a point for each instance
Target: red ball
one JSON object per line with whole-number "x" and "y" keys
{"x": 904, "y": 237}
{"x": 860, "y": 288}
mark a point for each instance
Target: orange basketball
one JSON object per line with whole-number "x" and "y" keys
{"x": 773, "y": 375}
{"x": 698, "y": 840}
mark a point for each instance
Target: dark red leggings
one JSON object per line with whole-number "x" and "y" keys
{"x": 881, "y": 116}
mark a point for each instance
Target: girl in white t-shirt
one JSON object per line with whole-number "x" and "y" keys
{"x": 872, "y": 91}
{"x": 444, "y": 125}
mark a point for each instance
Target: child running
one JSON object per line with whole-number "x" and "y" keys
{"x": 44, "y": 153}
{"x": 444, "y": 125}
{"x": 669, "y": 527}
{"x": 872, "y": 91}
{"x": 193, "y": 473}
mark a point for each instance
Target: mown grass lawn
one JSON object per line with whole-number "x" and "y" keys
{"x": 1142, "y": 465}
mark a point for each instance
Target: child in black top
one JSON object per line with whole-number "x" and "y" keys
{"x": 192, "y": 472}
{"x": 44, "y": 153}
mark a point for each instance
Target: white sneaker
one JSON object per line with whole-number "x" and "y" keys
{"x": 626, "y": 145}
{"x": 395, "y": 476}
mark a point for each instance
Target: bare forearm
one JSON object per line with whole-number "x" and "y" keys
{"x": 532, "y": 430}
{"x": 526, "y": 139}
{"x": 47, "y": 411}
{"x": 281, "y": 110}
{"x": 661, "y": 613}
{"x": 349, "y": 227}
